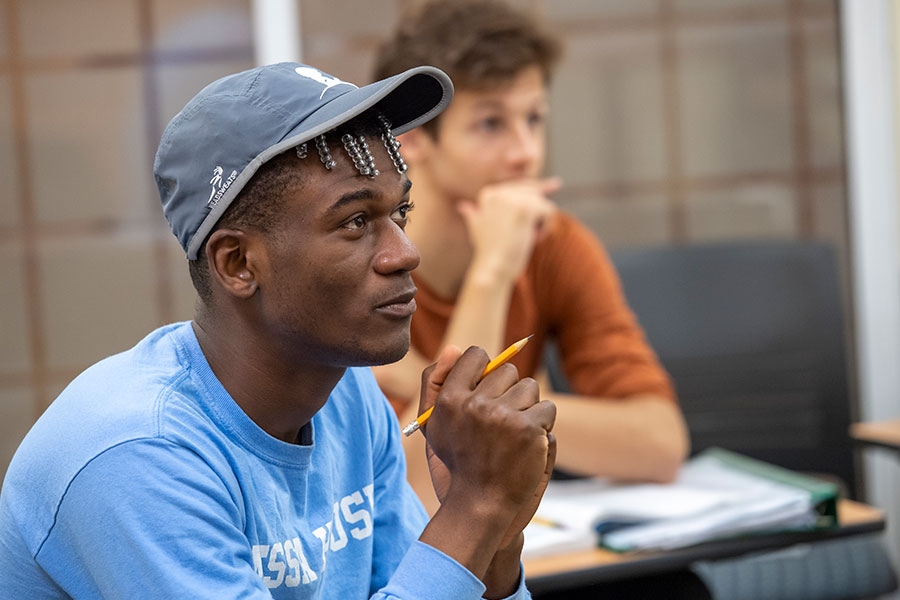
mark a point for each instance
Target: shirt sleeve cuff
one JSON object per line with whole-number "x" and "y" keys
{"x": 521, "y": 592}
{"x": 426, "y": 572}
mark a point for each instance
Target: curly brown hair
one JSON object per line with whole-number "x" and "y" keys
{"x": 478, "y": 43}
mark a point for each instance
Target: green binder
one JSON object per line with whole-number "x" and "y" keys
{"x": 823, "y": 494}
{"x": 765, "y": 499}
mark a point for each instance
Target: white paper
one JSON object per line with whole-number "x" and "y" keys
{"x": 707, "y": 500}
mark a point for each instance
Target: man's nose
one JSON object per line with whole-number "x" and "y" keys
{"x": 526, "y": 145}
{"x": 396, "y": 251}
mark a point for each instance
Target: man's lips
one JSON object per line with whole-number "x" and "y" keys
{"x": 401, "y": 305}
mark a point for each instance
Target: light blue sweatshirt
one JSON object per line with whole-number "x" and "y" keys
{"x": 144, "y": 479}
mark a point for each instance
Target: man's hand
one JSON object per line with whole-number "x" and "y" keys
{"x": 505, "y": 221}
{"x": 492, "y": 435}
{"x": 527, "y": 511}
{"x": 440, "y": 475}
{"x": 432, "y": 380}
{"x": 490, "y": 453}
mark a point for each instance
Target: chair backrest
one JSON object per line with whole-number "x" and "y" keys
{"x": 753, "y": 336}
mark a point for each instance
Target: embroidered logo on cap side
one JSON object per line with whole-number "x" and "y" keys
{"x": 219, "y": 186}
{"x": 327, "y": 80}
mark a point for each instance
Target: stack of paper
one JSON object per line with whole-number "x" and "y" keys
{"x": 544, "y": 538}
{"x": 716, "y": 494}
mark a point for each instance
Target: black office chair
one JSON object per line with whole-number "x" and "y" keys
{"x": 753, "y": 336}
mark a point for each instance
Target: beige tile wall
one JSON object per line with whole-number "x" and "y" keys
{"x": 98, "y": 296}
{"x": 15, "y": 353}
{"x": 675, "y": 121}
{"x": 636, "y": 220}
{"x": 822, "y": 75}
{"x": 735, "y": 99}
{"x": 64, "y": 30}
{"x": 89, "y": 166}
{"x": 87, "y": 262}
{"x": 9, "y": 206}
{"x": 750, "y": 210}
{"x": 18, "y": 406}
{"x": 614, "y": 84}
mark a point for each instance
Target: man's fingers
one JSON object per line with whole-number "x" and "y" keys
{"x": 468, "y": 367}
{"x": 435, "y": 375}
{"x": 551, "y": 453}
{"x": 447, "y": 358}
{"x": 549, "y": 185}
{"x": 505, "y": 385}
{"x": 544, "y": 414}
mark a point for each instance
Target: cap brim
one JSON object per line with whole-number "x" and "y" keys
{"x": 407, "y": 100}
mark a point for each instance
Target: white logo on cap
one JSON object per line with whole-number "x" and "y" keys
{"x": 219, "y": 187}
{"x": 316, "y": 75}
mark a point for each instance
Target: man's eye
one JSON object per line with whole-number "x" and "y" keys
{"x": 490, "y": 124}
{"x": 536, "y": 119}
{"x": 402, "y": 212}
{"x": 357, "y": 222}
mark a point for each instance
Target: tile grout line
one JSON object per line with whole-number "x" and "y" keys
{"x": 799, "y": 101}
{"x": 30, "y": 256}
{"x": 165, "y": 292}
{"x": 668, "y": 54}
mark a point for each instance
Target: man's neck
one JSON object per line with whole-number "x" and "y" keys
{"x": 279, "y": 397}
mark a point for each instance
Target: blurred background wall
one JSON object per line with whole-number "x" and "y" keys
{"x": 675, "y": 121}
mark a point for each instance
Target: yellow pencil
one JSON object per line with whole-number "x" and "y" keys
{"x": 501, "y": 359}
{"x": 539, "y": 520}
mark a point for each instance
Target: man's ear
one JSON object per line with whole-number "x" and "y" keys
{"x": 232, "y": 263}
{"x": 414, "y": 145}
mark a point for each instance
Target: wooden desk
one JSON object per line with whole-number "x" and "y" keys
{"x": 577, "y": 569}
{"x": 877, "y": 433}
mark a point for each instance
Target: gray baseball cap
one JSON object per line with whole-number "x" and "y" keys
{"x": 211, "y": 149}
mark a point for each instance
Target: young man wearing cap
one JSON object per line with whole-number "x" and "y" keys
{"x": 244, "y": 454}
{"x": 499, "y": 261}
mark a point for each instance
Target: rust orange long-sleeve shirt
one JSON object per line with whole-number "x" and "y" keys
{"x": 571, "y": 293}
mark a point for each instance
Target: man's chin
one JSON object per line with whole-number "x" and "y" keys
{"x": 394, "y": 355}
{"x": 387, "y": 353}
